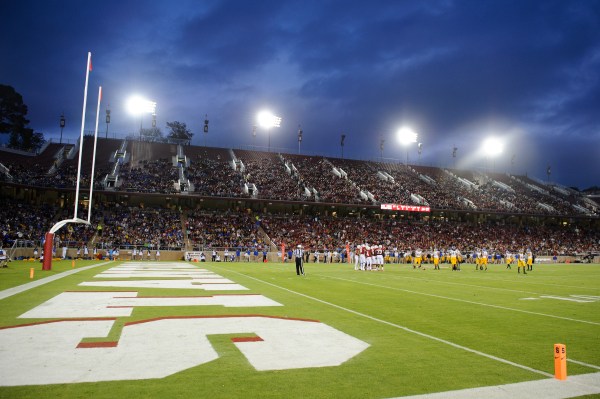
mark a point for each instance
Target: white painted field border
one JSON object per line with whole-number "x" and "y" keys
{"x": 464, "y": 284}
{"x": 583, "y": 364}
{"x": 462, "y": 300}
{"x": 531, "y": 281}
{"x": 409, "y": 330}
{"x": 576, "y": 298}
{"x": 579, "y": 385}
{"x": 25, "y": 287}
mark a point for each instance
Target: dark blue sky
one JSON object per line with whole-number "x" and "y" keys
{"x": 454, "y": 71}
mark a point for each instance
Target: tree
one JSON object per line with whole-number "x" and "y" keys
{"x": 13, "y": 121}
{"x": 12, "y": 110}
{"x": 179, "y": 131}
{"x": 26, "y": 140}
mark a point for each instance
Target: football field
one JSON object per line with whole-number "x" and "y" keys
{"x": 252, "y": 330}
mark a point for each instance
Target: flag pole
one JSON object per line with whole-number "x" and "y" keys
{"x": 94, "y": 155}
{"x": 87, "y": 76}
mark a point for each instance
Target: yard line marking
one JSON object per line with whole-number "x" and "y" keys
{"x": 578, "y": 385}
{"x": 565, "y": 298}
{"x": 463, "y": 300}
{"x": 529, "y": 281}
{"x": 584, "y": 364}
{"x": 25, "y": 287}
{"x": 468, "y": 285}
{"x": 464, "y": 348}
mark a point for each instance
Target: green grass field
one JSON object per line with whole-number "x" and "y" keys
{"x": 428, "y": 330}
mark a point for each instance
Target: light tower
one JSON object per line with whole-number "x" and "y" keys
{"x": 406, "y": 136}
{"x": 139, "y": 106}
{"x": 267, "y": 120}
{"x": 63, "y": 121}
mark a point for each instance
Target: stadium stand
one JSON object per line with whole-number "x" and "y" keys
{"x": 225, "y": 202}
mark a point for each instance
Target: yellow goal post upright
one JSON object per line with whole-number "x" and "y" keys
{"x": 49, "y": 237}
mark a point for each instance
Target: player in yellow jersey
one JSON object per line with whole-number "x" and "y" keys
{"x": 418, "y": 258}
{"x": 529, "y": 260}
{"x": 484, "y": 260}
{"x": 509, "y": 259}
{"x": 453, "y": 258}
{"x": 436, "y": 259}
{"x": 520, "y": 261}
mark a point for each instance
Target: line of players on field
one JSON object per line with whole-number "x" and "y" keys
{"x": 368, "y": 257}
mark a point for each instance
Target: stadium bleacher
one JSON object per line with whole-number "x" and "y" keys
{"x": 564, "y": 220}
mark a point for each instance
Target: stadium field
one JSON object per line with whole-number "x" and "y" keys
{"x": 252, "y": 330}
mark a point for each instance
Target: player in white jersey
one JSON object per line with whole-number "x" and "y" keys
{"x": 357, "y": 257}
{"x": 380, "y": 257}
{"x": 363, "y": 257}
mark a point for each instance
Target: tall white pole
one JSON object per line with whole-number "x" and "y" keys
{"x": 94, "y": 155}
{"x": 87, "y": 76}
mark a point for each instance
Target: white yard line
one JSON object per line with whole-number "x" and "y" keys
{"x": 464, "y": 348}
{"x": 462, "y": 300}
{"x": 584, "y": 364}
{"x": 465, "y": 284}
{"x": 25, "y": 287}
{"x": 531, "y": 282}
{"x": 578, "y": 385}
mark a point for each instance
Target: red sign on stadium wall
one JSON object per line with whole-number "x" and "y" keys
{"x": 406, "y": 208}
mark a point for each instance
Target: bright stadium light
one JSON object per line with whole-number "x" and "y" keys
{"x": 492, "y": 146}
{"x": 406, "y": 136}
{"x": 137, "y": 105}
{"x": 267, "y": 120}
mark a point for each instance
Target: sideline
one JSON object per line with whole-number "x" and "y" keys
{"x": 461, "y": 300}
{"x": 25, "y": 287}
{"x": 443, "y": 341}
{"x": 578, "y": 385}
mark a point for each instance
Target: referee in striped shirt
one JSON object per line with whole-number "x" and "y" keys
{"x": 298, "y": 254}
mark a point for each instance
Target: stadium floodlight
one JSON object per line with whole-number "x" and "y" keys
{"x": 492, "y": 146}
{"x": 137, "y": 105}
{"x": 267, "y": 120}
{"x": 406, "y": 136}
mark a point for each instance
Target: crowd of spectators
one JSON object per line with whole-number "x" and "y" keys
{"x": 546, "y": 195}
{"x": 215, "y": 178}
{"x": 22, "y": 221}
{"x": 317, "y": 173}
{"x": 429, "y": 190}
{"x": 365, "y": 175}
{"x": 158, "y": 176}
{"x": 128, "y": 227}
{"x": 273, "y": 181}
{"x": 29, "y": 174}
{"x": 117, "y": 226}
{"x": 222, "y": 230}
{"x": 326, "y": 233}
{"x": 211, "y": 173}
